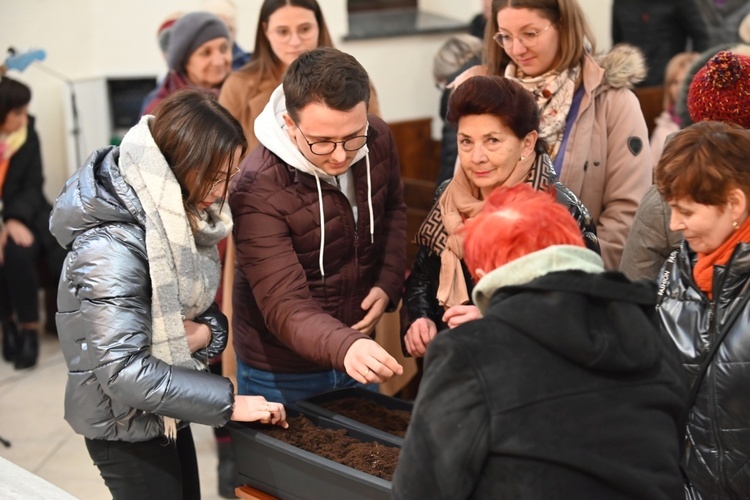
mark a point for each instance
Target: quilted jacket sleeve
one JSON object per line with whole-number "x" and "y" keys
{"x": 109, "y": 276}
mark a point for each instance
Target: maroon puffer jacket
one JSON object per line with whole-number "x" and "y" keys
{"x": 287, "y": 319}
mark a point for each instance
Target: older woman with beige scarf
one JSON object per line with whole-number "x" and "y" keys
{"x": 498, "y": 145}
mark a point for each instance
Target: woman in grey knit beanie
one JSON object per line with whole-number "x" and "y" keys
{"x": 198, "y": 55}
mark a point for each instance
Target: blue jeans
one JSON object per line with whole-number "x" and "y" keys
{"x": 288, "y": 388}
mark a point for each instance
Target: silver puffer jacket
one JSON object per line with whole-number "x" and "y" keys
{"x": 116, "y": 390}
{"x": 718, "y": 433}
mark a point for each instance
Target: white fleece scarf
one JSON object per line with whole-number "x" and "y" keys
{"x": 270, "y": 129}
{"x": 183, "y": 267}
{"x": 535, "y": 265}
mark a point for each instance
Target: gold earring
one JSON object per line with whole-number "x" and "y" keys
{"x": 523, "y": 157}
{"x": 735, "y": 225}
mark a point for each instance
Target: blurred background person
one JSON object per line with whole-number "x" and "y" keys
{"x": 25, "y": 239}
{"x": 286, "y": 28}
{"x": 563, "y": 389}
{"x": 198, "y": 56}
{"x": 227, "y": 11}
{"x": 498, "y": 145}
{"x": 459, "y": 53}
{"x": 703, "y": 306}
{"x": 668, "y": 122}
{"x": 591, "y": 121}
{"x": 661, "y": 29}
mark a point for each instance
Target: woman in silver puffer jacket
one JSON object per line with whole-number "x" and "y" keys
{"x": 136, "y": 318}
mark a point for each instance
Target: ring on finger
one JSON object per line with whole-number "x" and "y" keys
{"x": 268, "y": 407}
{"x": 366, "y": 372}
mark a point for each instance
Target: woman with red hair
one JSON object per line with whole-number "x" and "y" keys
{"x": 563, "y": 389}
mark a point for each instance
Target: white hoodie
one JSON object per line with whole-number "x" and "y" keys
{"x": 270, "y": 129}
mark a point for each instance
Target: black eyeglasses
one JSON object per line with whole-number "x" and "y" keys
{"x": 322, "y": 148}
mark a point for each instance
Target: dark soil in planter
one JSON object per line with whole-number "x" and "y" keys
{"x": 368, "y": 412}
{"x": 334, "y": 444}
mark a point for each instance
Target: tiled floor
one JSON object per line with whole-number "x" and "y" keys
{"x": 31, "y": 418}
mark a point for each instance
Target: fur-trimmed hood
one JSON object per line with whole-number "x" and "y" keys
{"x": 624, "y": 66}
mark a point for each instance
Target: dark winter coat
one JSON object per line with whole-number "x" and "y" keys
{"x": 718, "y": 435}
{"x": 562, "y": 390}
{"x": 22, "y": 192}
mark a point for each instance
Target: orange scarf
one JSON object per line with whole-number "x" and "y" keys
{"x": 703, "y": 272}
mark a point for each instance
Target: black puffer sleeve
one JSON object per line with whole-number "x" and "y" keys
{"x": 219, "y": 326}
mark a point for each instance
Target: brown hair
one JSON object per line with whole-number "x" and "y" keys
{"x": 703, "y": 162}
{"x": 195, "y": 133}
{"x": 13, "y": 95}
{"x": 328, "y": 76}
{"x": 265, "y": 62}
{"x": 507, "y": 99}
{"x": 566, "y": 15}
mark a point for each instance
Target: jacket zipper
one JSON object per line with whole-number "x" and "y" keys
{"x": 712, "y": 396}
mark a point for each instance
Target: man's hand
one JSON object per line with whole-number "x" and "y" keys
{"x": 375, "y": 304}
{"x": 19, "y": 233}
{"x": 367, "y": 362}
{"x": 419, "y": 335}
{"x": 458, "y": 315}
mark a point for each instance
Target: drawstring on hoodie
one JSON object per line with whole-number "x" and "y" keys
{"x": 369, "y": 199}
{"x": 322, "y": 226}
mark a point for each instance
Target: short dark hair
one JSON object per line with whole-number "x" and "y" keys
{"x": 506, "y": 99}
{"x": 328, "y": 76}
{"x": 13, "y": 95}
{"x": 194, "y": 132}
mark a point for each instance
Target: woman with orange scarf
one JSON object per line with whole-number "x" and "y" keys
{"x": 498, "y": 145}
{"x": 704, "y": 299}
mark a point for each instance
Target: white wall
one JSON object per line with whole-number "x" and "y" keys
{"x": 87, "y": 39}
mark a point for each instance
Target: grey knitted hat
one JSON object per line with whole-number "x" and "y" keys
{"x": 190, "y": 32}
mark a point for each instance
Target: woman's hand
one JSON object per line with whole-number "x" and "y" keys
{"x": 257, "y": 409}
{"x": 19, "y": 233}
{"x": 419, "y": 335}
{"x": 458, "y": 315}
{"x": 198, "y": 335}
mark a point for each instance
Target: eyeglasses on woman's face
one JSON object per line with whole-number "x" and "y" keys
{"x": 222, "y": 178}
{"x": 323, "y": 148}
{"x": 527, "y": 38}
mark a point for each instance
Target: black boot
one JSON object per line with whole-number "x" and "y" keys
{"x": 227, "y": 470}
{"x": 10, "y": 339}
{"x": 27, "y": 349}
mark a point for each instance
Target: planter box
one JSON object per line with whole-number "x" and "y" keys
{"x": 291, "y": 473}
{"x": 312, "y": 406}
